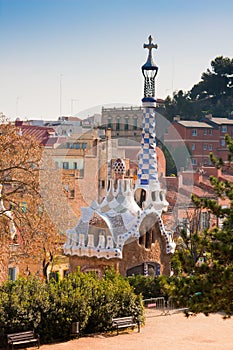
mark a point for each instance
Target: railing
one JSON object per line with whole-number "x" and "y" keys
{"x": 132, "y": 108}
{"x": 163, "y": 305}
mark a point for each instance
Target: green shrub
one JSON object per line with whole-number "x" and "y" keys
{"x": 112, "y": 296}
{"x": 22, "y": 304}
{"x": 147, "y": 286}
{"x": 51, "y": 308}
{"x": 68, "y": 301}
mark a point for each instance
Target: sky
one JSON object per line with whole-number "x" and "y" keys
{"x": 68, "y": 57}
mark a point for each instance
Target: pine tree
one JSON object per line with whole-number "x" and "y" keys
{"x": 205, "y": 275}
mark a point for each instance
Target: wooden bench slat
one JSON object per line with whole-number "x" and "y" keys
{"x": 26, "y": 337}
{"x": 125, "y": 322}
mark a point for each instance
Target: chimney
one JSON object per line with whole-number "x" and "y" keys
{"x": 18, "y": 122}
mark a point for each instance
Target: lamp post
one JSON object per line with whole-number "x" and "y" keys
{"x": 71, "y": 105}
{"x": 60, "y": 85}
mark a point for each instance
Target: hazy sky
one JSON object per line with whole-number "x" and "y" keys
{"x": 85, "y": 53}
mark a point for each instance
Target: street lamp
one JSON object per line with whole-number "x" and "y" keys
{"x": 71, "y": 105}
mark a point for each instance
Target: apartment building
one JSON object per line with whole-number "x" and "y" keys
{"x": 124, "y": 122}
{"x": 200, "y": 138}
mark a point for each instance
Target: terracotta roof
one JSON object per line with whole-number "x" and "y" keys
{"x": 198, "y": 191}
{"x": 40, "y": 133}
{"x": 220, "y": 121}
{"x": 194, "y": 124}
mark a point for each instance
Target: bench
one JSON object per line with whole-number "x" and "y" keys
{"x": 124, "y": 322}
{"x": 22, "y": 338}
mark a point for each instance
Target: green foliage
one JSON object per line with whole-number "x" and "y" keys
{"x": 112, "y": 296}
{"x": 69, "y": 302}
{"x": 180, "y": 105}
{"x": 213, "y": 94}
{"x": 170, "y": 164}
{"x": 22, "y": 305}
{"x": 147, "y": 286}
{"x": 51, "y": 308}
{"x": 204, "y": 261}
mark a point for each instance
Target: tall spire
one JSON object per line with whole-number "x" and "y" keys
{"x": 149, "y": 71}
{"x": 147, "y": 166}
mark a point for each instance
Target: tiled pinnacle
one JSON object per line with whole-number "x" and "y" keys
{"x": 148, "y": 168}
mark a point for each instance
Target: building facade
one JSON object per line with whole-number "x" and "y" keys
{"x": 200, "y": 138}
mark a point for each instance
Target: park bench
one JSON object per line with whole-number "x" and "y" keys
{"x": 23, "y": 338}
{"x": 125, "y": 322}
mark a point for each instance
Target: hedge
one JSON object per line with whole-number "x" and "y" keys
{"x": 50, "y": 309}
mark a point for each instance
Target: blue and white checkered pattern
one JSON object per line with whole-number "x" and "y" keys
{"x": 148, "y": 168}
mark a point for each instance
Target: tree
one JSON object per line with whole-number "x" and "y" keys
{"x": 180, "y": 105}
{"x": 213, "y": 94}
{"x": 206, "y": 285}
{"x": 217, "y": 82}
{"x": 23, "y": 218}
{"x": 190, "y": 250}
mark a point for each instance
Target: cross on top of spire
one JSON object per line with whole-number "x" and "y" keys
{"x": 150, "y": 46}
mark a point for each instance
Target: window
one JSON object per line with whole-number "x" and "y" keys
{"x": 84, "y": 145}
{"x": 194, "y": 132}
{"x": 126, "y": 123}
{"x": 23, "y": 207}
{"x": 205, "y": 147}
{"x": 210, "y": 147}
{"x": 72, "y": 192}
{"x": 65, "y": 273}
{"x": 205, "y": 161}
{"x": 102, "y": 184}
{"x": 12, "y": 273}
{"x": 184, "y": 224}
{"x": 194, "y": 161}
{"x": 210, "y": 131}
{"x": 148, "y": 239}
{"x": 77, "y": 145}
{"x": 221, "y": 220}
{"x": 205, "y": 220}
{"x": 205, "y": 132}
{"x": 223, "y": 143}
{"x": 193, "y": 146}
{"x": 135, "y": 124}
{"x": 65, "y": 165}
{"x": 109, "y": 123}
{"x": 54, "y": 276}
{"x": 81, "y": 172}
{"x": 118, "y": 124}
{"x": 224, "y": 129}
{"x": 75, "y": 166}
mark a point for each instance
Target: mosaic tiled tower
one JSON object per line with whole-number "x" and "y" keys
{"x": 126, "y": 227}
{"x": 148, "y": 167}
{"x": 148, "y": 170}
